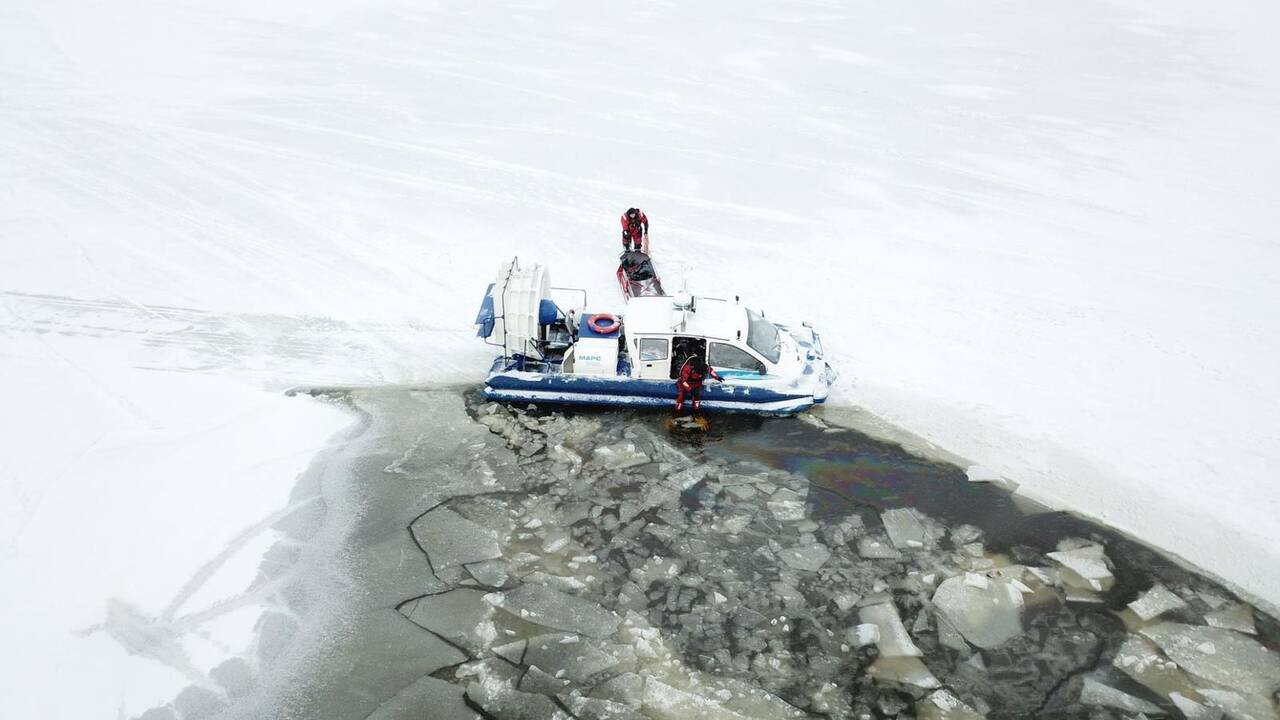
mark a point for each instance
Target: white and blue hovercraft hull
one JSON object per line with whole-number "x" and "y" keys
{"x": 512, "y": 385}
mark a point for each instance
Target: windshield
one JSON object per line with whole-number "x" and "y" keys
{"x": 762, "y": 336}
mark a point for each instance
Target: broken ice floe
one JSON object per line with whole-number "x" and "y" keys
{"x": 1237, "y": 617}
{"x": 1142, "y": 661}
{"x": 1193, "y": 710}
{"x": 1097, "y": 693}
{"x": 1084, "y": 567}
{"x": 1228, "y": 658}
{"x": 863, "y": 635}
{"x": 556, "y": 610}
{"x": 906, "y": 529}
{"x": 1155, "y": 602}
{"x": 619, "y": 456}
{"x": 894, "y": 640}
{"x": 874, "y": 548}
{"x": 943, "y": 705}
{"x": 1241, "y": 706}
{"x": 427, "y": 698}
{"x": 724, "y": 564}
{"x": 986, "y": 611}
{"x": 499, "y": 700}
{"x": 909, "y": 671}
{"x": 806, "y": 557}
{"x": 459, "y": 616}
{"x": 450, "y": 540}
{"x": 489, "y": 572}
{"x": 786, "y": 505}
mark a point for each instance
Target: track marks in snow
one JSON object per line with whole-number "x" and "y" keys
{"x": 279, "y": 350}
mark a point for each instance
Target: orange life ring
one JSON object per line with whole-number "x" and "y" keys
{"x": 593, "y": 322}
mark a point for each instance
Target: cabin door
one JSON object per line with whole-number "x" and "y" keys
{"x": 683, "y": 348}
{"x": 652, "y": 358}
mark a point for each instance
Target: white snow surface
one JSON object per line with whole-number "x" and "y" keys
{"x": 1041, "y": 236}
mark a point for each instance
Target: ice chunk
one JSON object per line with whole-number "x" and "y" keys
{"x": 948, "y": 636}
{"x": 627, "y": 511}
{"x": 562, "y": 583}
{"x": 451, "y": 540}
{"x": 627, "y": 688}
{"x": 942, "y": 705}
{"x": 1234, "y": 617}
{"x": 1098, "y": 694}
{"x": 585, "y": 708}
{"x": 688, "y": 477}
{"x": 874, "y": 548}
{"x": 556, "y": 610}
{"x": 1212, "y": 599}
{"x": 513, "y": 652}
{"x": 664, "y": 702}
{"x": 492, "y": 573}
{"x": 1221, "y": 656}
{"x": 786, "y": 505}
{"x": 426, "y": 699}
{"x": 1240, "y": 706}
{"x": 747, "y": 699}
{"x": 806, "y": 557}
{"x": 987, "y": 614}
{"x": 964, "y": 535}
{"x": 659, "y": 495}
{"x": 863, "y": 635}
{"x": 894, "y": 640}
{"x": 905, "y": 529}
{"x": 619, "y": 456}
{"x": 460, "y": 616}
{"x": 575, "y": 658}
{"x": 563, "y": 455}
{"x": 537, "y": 680}
{"x": 1140, "y": 660}
{"x": 1083, "y": 597}
{"x": 736, "y": 524}
{"x": 1156, "y": 602}
{"x": 904, "y": 671}
{"x": 656, "y": 568}
{"x": 1085, "y": 568}
{"x": 1193, "y": 710}
{"x": 555, "y": 541}
{"x": 504, "y": 703}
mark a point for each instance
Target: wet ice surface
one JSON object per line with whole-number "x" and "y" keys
{"x": 479, "y": 561}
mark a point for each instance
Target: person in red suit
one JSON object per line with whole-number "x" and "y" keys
{"x": 689, "y": 385}
{"x": 635, "y": 230}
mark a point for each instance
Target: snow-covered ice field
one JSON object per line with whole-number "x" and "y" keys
{"x": 1040, "y": 236}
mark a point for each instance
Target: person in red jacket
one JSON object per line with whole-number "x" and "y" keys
{"x": 635, "y": 230}
{"x": 689, "y": 385}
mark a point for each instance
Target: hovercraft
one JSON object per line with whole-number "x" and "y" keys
{"x": 561, "y": 353}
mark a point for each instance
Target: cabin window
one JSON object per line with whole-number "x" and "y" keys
{"x": 762, "y": 336}
{"x": 652, "y": 349}
{"x": 733, "y": 358}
